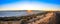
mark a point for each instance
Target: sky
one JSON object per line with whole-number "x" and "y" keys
{"x": 29, "y": 5}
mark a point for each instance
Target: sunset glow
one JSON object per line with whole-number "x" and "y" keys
{"x": 29, "y": 11}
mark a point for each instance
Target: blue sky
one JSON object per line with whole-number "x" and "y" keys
{"x": 29, "y": 4}
{"x": 46, "y": 1}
